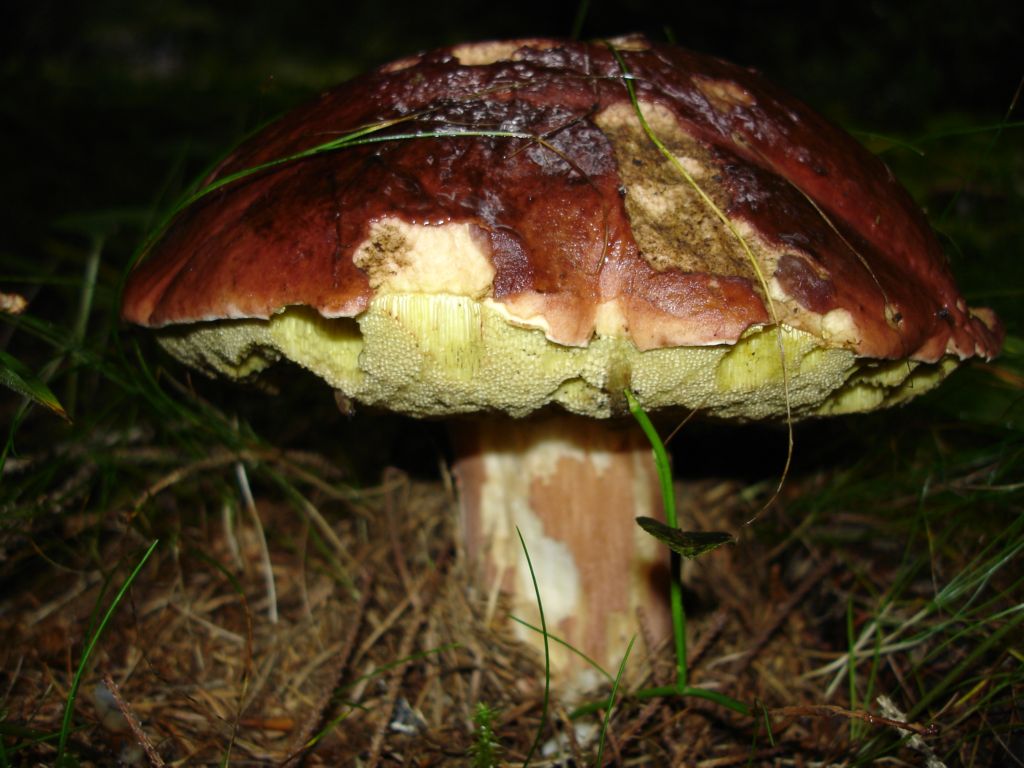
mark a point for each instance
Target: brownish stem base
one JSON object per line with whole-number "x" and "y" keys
{"x": 573, "y": 488}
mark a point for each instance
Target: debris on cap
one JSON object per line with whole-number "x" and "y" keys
{"x": 543, "y": 250}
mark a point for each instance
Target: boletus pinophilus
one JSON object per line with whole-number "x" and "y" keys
{"x": 507, "y": 246}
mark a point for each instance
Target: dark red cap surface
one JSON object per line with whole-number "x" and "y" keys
{"x": 553, "y": 215}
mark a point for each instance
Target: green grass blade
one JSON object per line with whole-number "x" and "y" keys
{"x": 732, "y": 229}
{"x": 581, "y": 16}
{"x": 611, "y": 702}
{"x": 358, "y": 137}
{"x": 851, "y": 667}
{"x": 959, "y": 671}
{"x": 668, "y": 501}
{"x": 591, "y": 662}
{"x": 547, "y": 653}
{"x": 15, "y": 375}
{"x": 86, "y": 296}
{"x": 83, "y": 663}
{"x": 661, "y": 461}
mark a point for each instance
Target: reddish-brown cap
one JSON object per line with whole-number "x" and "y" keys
{"x": 754, "y": 210}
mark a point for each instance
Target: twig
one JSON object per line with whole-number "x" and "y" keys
{"x": 744, "y": 757}
{"x": 178, "y": 474}
{"x": 637, "y": 722}
{"x": 288, "y": 462}
{"x": 133, "y": 722}
{"x": 393, "y": 617}
{"x": 715, "y": 625}
{"x": 325, "y": 529}
{"x": 340, "y": 663}
{"x": 229, "y": 535}
{"x": 812, "y": 580}
{"x": 397, "y": 675}
{"x": 831, "y": 710}
{"x": 391, "y": 476}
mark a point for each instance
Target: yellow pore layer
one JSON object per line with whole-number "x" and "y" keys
{"x": 437, "y": 354}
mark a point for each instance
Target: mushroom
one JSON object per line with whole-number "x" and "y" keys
{"x": 499, "y": 239}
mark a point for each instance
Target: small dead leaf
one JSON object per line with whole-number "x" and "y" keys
{"x": 689, "y": 544}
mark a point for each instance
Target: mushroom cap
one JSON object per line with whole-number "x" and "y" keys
{"x": 520, "y": 240}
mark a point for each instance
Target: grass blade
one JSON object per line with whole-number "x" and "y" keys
{"x": 668, "y": 501}
{"x": 611, "y": 702}
{"x": 547, "y": 653}
{"x": 83, "y": 664}
{"x": 15, "y": 375}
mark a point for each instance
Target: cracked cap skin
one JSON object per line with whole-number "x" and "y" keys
{"x": 542, "y": 249}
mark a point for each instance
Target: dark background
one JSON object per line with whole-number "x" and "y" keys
{"x": 111, "y": 104}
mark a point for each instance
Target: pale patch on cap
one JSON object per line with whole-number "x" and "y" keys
{"x": 412, "y": 258}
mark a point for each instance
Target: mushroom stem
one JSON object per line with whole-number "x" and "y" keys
{"x": 573, "y": 487}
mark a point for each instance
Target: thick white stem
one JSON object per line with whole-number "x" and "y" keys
{"x": 573, "y": 487}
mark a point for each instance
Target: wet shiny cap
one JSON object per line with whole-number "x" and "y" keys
{"x": 525, "y": 238}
